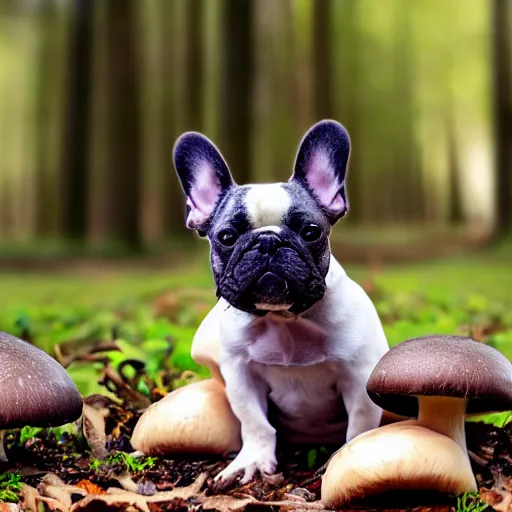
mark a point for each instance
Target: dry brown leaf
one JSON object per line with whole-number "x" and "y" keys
{"x": 126, "y": 482}
{"x": 94, "y": 416}
{"x": 112, "y": 500}
{"x": 500, "y": 501}
{"x": 224, "y": 503}
{"x": 90, "y": 487}
{"x": 9, "y": 507}
{"x": 29, "y": 497}
{"x": 121, "y": 499}
{"x": 53, "y": 487}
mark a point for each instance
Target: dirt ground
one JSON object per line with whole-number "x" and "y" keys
{"x": 69, "y": 472}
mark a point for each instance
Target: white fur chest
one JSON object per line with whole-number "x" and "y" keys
{"x": 290, "y": 357}
{"x": 286, "y": 342}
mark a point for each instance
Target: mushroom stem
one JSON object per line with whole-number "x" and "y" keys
{"x": 3, "y": 455}
{"x": 444, "y": 415}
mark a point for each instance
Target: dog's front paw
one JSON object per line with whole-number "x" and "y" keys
{"x": 248, "y": 464}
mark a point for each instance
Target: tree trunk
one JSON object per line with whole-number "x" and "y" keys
{"x": 236, "y": 86}
{"x": 322, "y": 59}
{"x": 44, "y": 185}
{"x": 76, "y": 125}
{"x": 194, "y": 71}
{"x": 502, "y": 15}
{"x": 406, "y": 205}
{"x": 348, "y": 80}
{"x": 123, "y": 121}
{"x": 172, "y": 27}
{"x": 455, "y": 215}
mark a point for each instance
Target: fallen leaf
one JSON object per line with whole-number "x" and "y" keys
{"x": 126, "y": 482}
{"x": 52, "y": 486}
{"x": 500, "y": 501}
{"x": 90, "y": 487}
{"x": 224, "y": 503}
{"x": 122, "y": 502}
{"x": 94, "y": 416}
{"x": 29, "y": 497}
{"x": 9, "y": 507}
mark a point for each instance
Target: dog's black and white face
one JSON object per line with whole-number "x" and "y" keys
{"x": 269, "y": 243}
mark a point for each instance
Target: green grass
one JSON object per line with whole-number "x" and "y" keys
{"x": 468, "y": 294}
{"x": 123, "y": 460}
{"x": 471, "y": 502}
{"x": 10, "y": 486}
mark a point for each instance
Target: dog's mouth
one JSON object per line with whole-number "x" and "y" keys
{"x": 285, "y": 282}
{"x": 271, "y": 292}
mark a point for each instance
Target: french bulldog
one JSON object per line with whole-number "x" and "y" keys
{"x": 298, "y": 337}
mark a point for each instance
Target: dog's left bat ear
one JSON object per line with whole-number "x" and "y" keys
{"x": 321, "y": 166}
{"x": 204, "y": 177}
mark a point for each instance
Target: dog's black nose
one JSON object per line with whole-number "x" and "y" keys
{"x": 269, "y": 243}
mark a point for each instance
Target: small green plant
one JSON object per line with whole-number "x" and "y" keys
{"x": 10, "y": 486}
{"x": 125, "y": 460}
{"x": 27, "y": 433}
{"x": 313, "y": 456}
{"x": 471, "y": 502}
{"x": 96, "y": 464}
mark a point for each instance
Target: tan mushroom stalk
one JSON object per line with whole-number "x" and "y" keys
{"x": 438, "y": 379}
{"x": 35, "y": 390}
{"x": 444, "y": 415}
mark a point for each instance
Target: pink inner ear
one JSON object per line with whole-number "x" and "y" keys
{"x": 204, "y": 194}
{"x": 322, "y": 181}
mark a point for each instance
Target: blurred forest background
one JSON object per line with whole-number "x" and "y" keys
{"x": 96, "y": 266}
{"x": 93, "y": 94}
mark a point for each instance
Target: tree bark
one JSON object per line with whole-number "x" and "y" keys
{"x": 502, "y": 55}
{"x": 76, "y": 147}
{"x": 194, "y": 72}
{"x": 455, "y": 212}
{"x": 123, "y": 97}
{"x": 322, "y": 59}
{"x": 349, "y": 104}
{"x": 236, "y": 86}
{"x": 172, "y": 27}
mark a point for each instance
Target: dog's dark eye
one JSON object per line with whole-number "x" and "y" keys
{"x": 228, "y": 237}
{"x": 310, "y": 233}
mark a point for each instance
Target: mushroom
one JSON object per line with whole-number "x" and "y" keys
{"x": 438, "y": 379}
{"x": 196, "y": 418}
{"x": 35, "y": 390}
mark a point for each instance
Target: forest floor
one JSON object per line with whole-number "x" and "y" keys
{"x": 101, "y": 324}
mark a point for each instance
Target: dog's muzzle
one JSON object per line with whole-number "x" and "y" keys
{"x": 270, "y": 275}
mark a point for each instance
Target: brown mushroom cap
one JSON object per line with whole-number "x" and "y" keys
{"x": 397, "y": 457}
{"x": 35, "y": 389}
{"x": 196, "y": 418}
{"x": 452, "y": 366}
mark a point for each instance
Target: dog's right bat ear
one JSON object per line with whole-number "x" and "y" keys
{"x": 204, "y": 177}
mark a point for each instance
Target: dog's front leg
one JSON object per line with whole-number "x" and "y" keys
{"x": 248, "y": 395}
{"x": 363, "y": 414}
